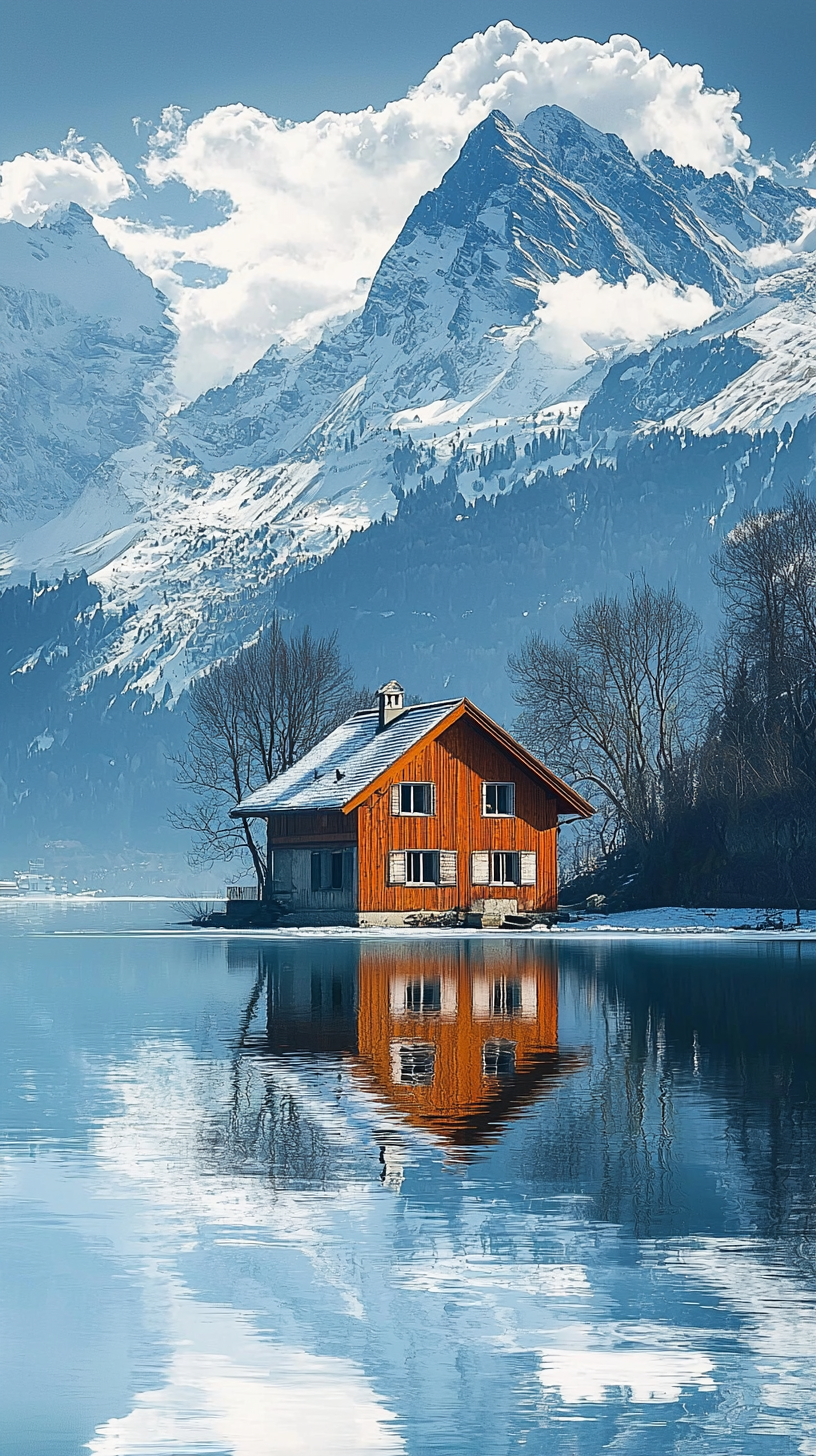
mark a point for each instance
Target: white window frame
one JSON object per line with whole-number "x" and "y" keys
{"x": 413, "y": 1063}
{"x": 511, "y": 855}
{"x": 416, "y": 990}
{"x": 445, "y": 868}
{"x": 481, "y": 867}
{"x": 492, "y": 1051}
{"x": 498, "y": 784}
{"x": 445, "y": 874}
{"x": 422, "y": 883}
{"x": 396, "y": 799}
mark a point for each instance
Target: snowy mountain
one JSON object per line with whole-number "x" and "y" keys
{"x": 447, "y": 330}
{"x": 556, "y": 325}
{"x": 85, "y": 345}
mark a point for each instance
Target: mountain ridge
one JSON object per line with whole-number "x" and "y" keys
{"x": 442, "y": 401}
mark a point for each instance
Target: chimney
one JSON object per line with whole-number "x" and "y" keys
{"x": 390, "y": 703}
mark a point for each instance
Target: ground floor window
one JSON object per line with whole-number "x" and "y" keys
{"x": 506, "y": 996}
{"x": 423, "y": 995}
{"x": 421, "y": 867}
{"x": 331, "y": 869}
{"x": 504, "y": 867}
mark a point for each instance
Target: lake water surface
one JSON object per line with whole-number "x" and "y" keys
{"x": 467, "y": 1196}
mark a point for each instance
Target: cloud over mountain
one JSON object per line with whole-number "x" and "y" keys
{"x": 579, "y": 316}
{"x": 312, "y": 207}
{"x": 35, "y": 181}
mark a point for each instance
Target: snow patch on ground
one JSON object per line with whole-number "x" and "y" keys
{"x": 680, "y": 920}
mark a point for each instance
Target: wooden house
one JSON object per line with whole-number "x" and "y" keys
{"x": 404, "y": 814}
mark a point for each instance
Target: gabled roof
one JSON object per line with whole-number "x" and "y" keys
{"x": 356, "y": 750}
{"x": 341, "y": 770}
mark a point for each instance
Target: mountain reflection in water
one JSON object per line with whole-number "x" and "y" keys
{"x": 406, "y": 1195}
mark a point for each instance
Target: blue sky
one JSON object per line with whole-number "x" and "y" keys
{"x": 94, "y": 64}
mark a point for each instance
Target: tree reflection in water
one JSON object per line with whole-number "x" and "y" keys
{"x": 268, "y": 1131}
{"x": 702, "y": 1072}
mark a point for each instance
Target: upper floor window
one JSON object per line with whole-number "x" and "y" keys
{"x": 413, "y": 799}
{"x": 412, "y": 1063}
{"x": 499, "y": 800}
{"x": 499, "y": 1059}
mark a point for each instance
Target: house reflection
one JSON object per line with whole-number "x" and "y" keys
{"x": 460, "y": 1035}
{"x": 456, "y": 1036}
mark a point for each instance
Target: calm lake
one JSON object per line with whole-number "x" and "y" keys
{"x": 471, "y": 1196}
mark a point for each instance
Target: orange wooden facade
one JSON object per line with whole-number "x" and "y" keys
{"x": 479, "y": 1017}
{"x": 457, "y": 762}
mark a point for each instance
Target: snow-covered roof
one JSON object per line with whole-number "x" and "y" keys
{"x": 356, "y": 751}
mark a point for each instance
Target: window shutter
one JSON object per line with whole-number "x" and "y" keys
{"x": 480, "y": 867}
{"x": 433, "y": 799}
{"x": 396, "y": 867}
{"x": 484, "y": 809}
{"x": 528, "y": 867}
{"x": 512, "y": 808}
{"x": 395, "y": 798}
{"x": 447, "y": 866}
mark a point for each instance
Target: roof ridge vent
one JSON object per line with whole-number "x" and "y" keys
{"x": 390, "y": 702}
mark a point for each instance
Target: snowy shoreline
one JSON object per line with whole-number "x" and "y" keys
{"x": 662, "y": 921}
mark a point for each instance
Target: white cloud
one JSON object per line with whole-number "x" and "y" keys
{"x": 311, "y": 207}
{"x": 226, "y": 1388}
{"x": 35, "y": 181}
{"x": 314, "y": 206}
{"x": 776, "y": 256}
{"x": 579, "y": 317}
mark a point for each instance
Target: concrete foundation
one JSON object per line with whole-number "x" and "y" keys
{"x": 493, "y": 911}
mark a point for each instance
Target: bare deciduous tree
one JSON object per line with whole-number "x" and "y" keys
{"x": 251, "y": 717}
{"x": 612, "y": 706}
